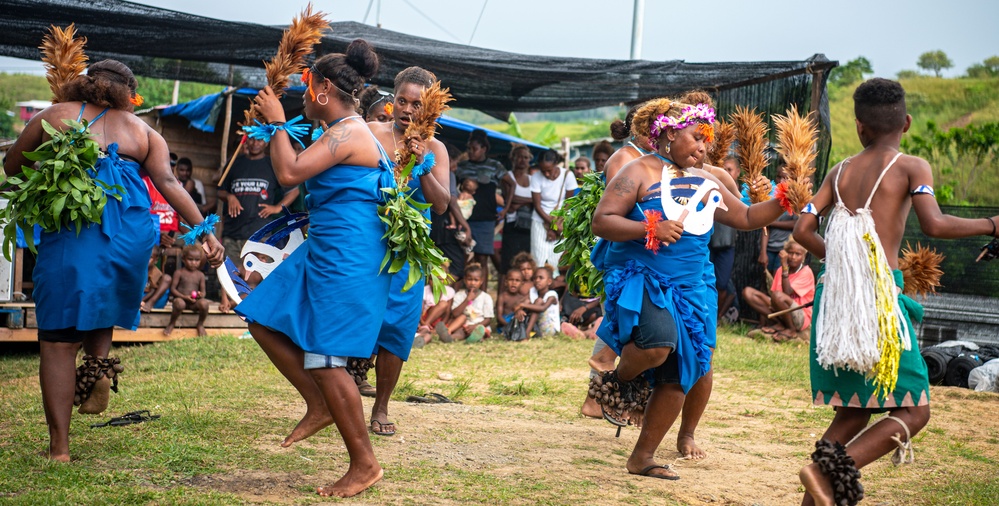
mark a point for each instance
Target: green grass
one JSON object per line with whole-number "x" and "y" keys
{"x": 224, "y": 408}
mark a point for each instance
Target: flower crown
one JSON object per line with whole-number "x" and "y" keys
{"x": 690, "y": 115}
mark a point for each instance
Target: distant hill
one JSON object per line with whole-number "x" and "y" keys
{"x": 947, "y": 102}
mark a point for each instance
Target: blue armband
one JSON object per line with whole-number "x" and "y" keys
{"x": 205, "y": 227}
{"x": 429, "y": 161}
{"x": 317, "y": 133}
{"x": 295, "y": 127}
{"x": 923, "y": 189}
{"x": 810, "y": 209}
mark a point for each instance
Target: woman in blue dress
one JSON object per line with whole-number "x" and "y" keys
{"x": 87, "y": 283}
{"x": 326, "y": 301}
{"x": 660, "y": 303}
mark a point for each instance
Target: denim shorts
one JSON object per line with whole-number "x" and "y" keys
{"x": 316, "y": 361}
{"x": 657, "y": 329}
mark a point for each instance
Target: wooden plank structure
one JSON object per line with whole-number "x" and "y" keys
{"x": 21, "y": 325}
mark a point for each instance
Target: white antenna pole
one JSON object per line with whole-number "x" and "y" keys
{"x": 636, "y": 30}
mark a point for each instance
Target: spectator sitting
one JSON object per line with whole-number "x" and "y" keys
{"x": 525, "y": 263}
{"x": 793, "y": 286}
{"x": 580, "y": 318}
{"x": 507, "y": 301}
{"x": 471, "y": 309}
{"x": 434, "y": 315}
{"x": 187, "y": 290}
{"x": 542, "y": 310}
{"x": 157, "y": 284}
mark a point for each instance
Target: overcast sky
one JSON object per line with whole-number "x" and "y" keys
{"x": 890, "y": 33}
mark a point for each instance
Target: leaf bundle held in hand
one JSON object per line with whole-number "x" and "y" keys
{"x": 423, "y": 124}
{"x": 64, "y": 58}
{"x": 724, "y": 135}
{"x": 920, "y": 269}
{"x": 751, "y": 134}
{"x": 407, "y": 233}
{"x": 61, "y": 192}
{"x": 796, "y": 138}
{"x": 578, "y": 240}
{"x": 297, "y": 43}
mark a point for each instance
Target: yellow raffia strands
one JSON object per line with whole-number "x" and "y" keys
{"x": 885, "y": 372}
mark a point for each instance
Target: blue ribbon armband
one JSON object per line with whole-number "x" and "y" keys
{"x": 296, "y": 128}
{"x": 923, "y": 189}
{"x": 810, "y": 209}
{"x": 204, "y": 228}
{"x": 429, "y": 161}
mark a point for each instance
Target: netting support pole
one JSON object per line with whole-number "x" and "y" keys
{"x": 817, "y": 78}
{"x": 228, "y": 124}
{"x": 636, "y": 29}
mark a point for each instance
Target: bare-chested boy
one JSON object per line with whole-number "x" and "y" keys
{"x": 882, "y": 183}
{"x": 507, "y": 300}
{"x": 187, "y": 291}
{"x": 157, "y": 283}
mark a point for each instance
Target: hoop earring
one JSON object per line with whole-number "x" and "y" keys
{"x": 320, "y": 102}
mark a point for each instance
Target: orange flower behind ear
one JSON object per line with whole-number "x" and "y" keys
{"x": 707, "y": 130}
{"x": 389, "y": 108}
{"x": 137, "y": 100}
{"x": 307, "y": 79}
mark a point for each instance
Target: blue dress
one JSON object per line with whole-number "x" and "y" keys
{"x": 402, "y": 316}
{"x": 95, "y": 280}
{"x": 676, "y": 279}
{"x": 329, "y": 296}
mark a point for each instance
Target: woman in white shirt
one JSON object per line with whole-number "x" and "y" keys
{"x": 550, "y": 186}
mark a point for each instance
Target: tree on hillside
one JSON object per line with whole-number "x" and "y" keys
{"x": 907, "y": 74}
{"x": 934, "y": 61}
{"x": 959, "y": 156}
{"x": 992, "y": 63}
{"x": 851, "y": 73}
{"x": 988, "y": 68}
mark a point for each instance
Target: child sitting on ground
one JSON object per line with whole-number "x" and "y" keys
{"x": 542, "y": 310}
{"x": 793, "y": 286}
{"x": 506, "y": 302}
{"x": 471, "y": 309}
{"x": 157, "y": 285}
{"x": 433, "y": 315}
{"x": 580, "y": 317}
{"x": 525, "y": 263}
{"x": 188, "y": 290}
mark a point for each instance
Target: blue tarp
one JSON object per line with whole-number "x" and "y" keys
{"x": 203, "y": 114}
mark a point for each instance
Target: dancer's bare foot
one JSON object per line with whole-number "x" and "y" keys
{"x": 54, "y": 457}
{"x": 201, "y": 331}
{"x": 603, "y": 360}
{"x": 637, "y": 417}
{"x": 591, "y": 408}
{"x": 310, "y": 424}
{"x": 168, "y": 330}
{"x": 688, "y": 448}
{"x": 816, "y": 485}
{"x": 99, "y": 398}
{"x": 352, "y": 483}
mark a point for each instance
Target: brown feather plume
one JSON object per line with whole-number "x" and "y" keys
{"x": 434, "y": 102}
{"x": 751, "y": 134}
{"x": 796, "y": 137}
{"x": 724, "y": 135}
{"x": 920, "y": 269}
{"x": 64, "y": 58}
{"x": 297, "y": 43}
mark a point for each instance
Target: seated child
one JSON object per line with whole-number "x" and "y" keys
{"x": 542, "y": 310}
{"x": 188, "y": 290}
{"x": 433, "y": 315}
{"x": 525, "y": 263}
{"x": 793, "y": 286}
{"x": 580, "y": 317}
{"x": 471, "y": 309}
{"x": 157, "y": 285}
{"x": 466, "y": 197}
{"x": 506, "y": 302}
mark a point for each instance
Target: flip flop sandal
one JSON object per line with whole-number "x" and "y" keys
{"x": 380, "y": 431}
{"x": 440, "y": 398}
{"x": 127, "y": 419}
{"x": 366, "y": 389}
{"x": 647, "y": 472}
{"x": 421, "y": 400}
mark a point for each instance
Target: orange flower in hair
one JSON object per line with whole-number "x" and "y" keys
{"x": 137, "y": 100}
{"x": 307, "y": 79}
{"x": 707, "y": 130}
{"x": 389, "y": 108}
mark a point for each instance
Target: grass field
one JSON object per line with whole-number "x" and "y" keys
{"x": 516, "y": 439}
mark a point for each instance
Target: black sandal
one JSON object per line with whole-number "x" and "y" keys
{"x": 127, "y": 419}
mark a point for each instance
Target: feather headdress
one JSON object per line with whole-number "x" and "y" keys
{"x": 920, "y": 269}
{"x": 724, "y": 135}
{"x": 751, "y": 134}
{"x": 796, "y": 136}
{"x": 297, "y": 43}
{"x": 423, "y": 124}
{"x": 64, "y": 58}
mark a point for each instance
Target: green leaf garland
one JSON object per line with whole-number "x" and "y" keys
{"x": 577, "y": 237}
{"x": 61, "y": 192}
{"x": 408, "y": 237}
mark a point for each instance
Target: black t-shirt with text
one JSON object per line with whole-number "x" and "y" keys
{"x": 252, "y": 182}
